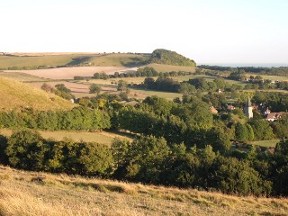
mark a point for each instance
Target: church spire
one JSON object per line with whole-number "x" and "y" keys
{"x": 248, "y": 110}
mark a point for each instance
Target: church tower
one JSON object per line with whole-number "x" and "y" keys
{"x": 248, "y": 110}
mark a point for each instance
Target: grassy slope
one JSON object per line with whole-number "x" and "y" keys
{"x": 14, "y": 94}
{"x": 120, "y": 59}
{"x": 30, "y": 193}
{"x": 35, "y": 61}
{"x": 23, "y": 77}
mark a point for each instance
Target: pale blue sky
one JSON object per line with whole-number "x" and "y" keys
{"x": 219, "y": 31}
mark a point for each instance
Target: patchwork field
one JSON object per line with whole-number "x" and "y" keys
{"x": 69, "y": 72}
{"x": 32, "y": 193}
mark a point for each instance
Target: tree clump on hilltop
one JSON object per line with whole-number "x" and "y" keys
{"x": 162, "y": 56}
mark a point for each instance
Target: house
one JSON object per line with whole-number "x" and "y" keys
{"x": 273, "y": 116}
{"x": 231, "y": 107}
{"x": 219, "y": 91}
{"x": 267, "y": 112}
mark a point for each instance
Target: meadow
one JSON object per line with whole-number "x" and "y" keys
{"x": 142, "y": 94}
{"x": 266, "y": 143}
{"x": 101, "y": 137}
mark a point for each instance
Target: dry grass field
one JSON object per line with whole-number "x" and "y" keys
{"x": 32, "y": 193}
{"x": 23, "y": 77}
{"x": 16, "y": 95}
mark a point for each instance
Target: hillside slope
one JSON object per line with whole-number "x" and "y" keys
{"x": 16, "y": 95}
{"x": 28, "y": 61}
{"x": 30, "y": 193}
{"x": 15, "y": 62}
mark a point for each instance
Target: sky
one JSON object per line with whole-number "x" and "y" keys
{"x": 223, "y": 32}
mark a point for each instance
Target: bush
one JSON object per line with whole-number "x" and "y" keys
{"x": 26, "y": 150}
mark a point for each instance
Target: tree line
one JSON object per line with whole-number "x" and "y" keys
{"x": 141, "y": 72}
{"x": 79, "y": 118}
{"x": 153, "y": 160}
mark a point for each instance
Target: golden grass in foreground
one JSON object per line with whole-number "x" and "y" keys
{"x": 30, "y": 193}
{"x": 15, "y": 95}
{"x": 101, "y": 137}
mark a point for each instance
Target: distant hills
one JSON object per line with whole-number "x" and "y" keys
{"x": 17, "y": 95}
{"x": 18, "y": 61}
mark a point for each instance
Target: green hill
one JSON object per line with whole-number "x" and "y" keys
{"x": 31, "y": 193}
{"x": 167, "y": 57}
{"x": 15, "y": 95}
